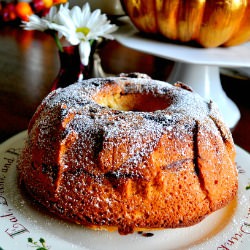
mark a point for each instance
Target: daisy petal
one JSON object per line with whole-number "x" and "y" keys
{"x": 84, "y": 51}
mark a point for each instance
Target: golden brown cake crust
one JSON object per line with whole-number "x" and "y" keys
{"x": 129, "y": 153}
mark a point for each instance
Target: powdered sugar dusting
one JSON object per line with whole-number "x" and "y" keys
{"x": 88, "y": 146}
{"x": 101, "y": 128}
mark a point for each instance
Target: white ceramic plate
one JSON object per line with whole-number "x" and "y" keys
{"x": 228, "y": 228}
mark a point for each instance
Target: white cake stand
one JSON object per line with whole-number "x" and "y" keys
{"x": 197, "y": 67}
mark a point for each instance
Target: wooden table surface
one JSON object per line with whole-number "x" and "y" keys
{"x": 29, "y": 63}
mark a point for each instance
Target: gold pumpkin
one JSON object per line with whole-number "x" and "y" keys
{"x": 210, "y": 23}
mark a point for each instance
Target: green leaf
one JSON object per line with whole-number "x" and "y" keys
{"x": 30, "y": 240}
{"x": 41, "y": 245}
{"x": 42, "y": 240}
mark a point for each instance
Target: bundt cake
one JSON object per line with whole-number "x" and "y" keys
{"x": 129, "y": 154}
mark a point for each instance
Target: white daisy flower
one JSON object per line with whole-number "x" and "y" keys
{"x": 81, "y": 27}
{"x": 47, "y": 23}
{"x": 37, "y": 23}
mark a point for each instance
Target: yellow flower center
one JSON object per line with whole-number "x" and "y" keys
{"x": 84, "y": 30}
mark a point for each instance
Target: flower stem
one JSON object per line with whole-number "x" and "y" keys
{"x": 57, "y": 40}
{"x": 91, "y": 42}
{"x": 58, "y": 43}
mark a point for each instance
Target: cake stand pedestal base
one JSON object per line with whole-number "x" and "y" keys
{"x": 205, "y": 80}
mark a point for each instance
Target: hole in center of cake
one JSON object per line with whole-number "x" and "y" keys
{"x": 141, "y": 102}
